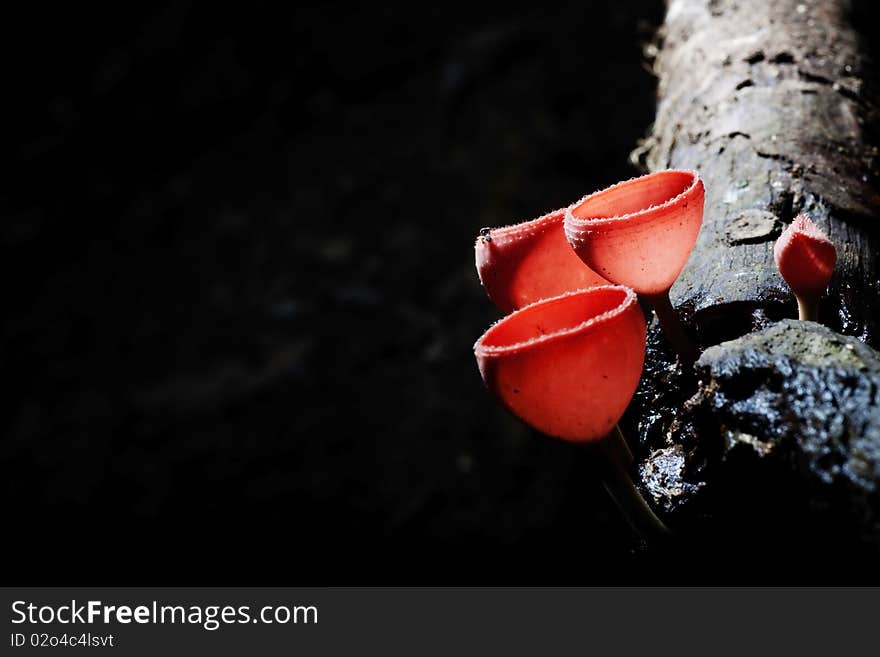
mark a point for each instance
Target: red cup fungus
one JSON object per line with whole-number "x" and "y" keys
{"x": 639, "y": 233}
{"x": 526, "y": 262}
{"x": 805, "y": 258}
{"x": 568, "y": 366}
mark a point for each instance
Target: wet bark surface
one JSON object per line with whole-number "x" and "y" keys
{"x": 795, "y": 399}
{"x": 775, "y": 104}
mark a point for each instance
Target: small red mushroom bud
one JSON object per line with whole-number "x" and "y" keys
{"x": 639, "y": 233}
{"x": 805, "y": 257}
{"x": 524, "y": 263}
{"x": 568, "y": 366}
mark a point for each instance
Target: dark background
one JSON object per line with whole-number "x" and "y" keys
{"x": 240, "y": 293}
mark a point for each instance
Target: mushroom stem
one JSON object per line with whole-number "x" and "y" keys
{"x": 616, "y": 458}
{"x": 808, "y": 308}
{"x": 617, "y": 442}
{"x": 673, "y": 328}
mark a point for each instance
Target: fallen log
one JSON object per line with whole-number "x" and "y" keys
{"x": 775, "y": 104}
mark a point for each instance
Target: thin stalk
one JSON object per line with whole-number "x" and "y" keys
{"x": 617, "y": 442}
{"x": 808, "y": 309}
{"x": 614, "y": 461}
{"x": 673, "y": 328}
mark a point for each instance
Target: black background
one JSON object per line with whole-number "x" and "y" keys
{"x": 237, "y": 248}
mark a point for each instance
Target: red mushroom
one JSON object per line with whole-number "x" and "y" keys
{"x": 805, "y": 258}
{"x": 568, "y": 366}
{"x": 639, "y": 233}
{"x": 524, "y": 263}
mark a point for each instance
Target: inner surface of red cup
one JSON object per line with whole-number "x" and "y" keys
{"x": 568, "y": 365}
{"x": 524, "y": 263}
{"x": 640, "y": 232}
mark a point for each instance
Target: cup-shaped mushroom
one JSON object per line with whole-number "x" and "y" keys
{"x": 569, "y": 365}
{"x": 640, "y": 232}
{"x": 521, "y": 264}
{"x": 805, "y": 257}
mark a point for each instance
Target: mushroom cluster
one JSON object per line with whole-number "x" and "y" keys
{"x": 568, "y": 357}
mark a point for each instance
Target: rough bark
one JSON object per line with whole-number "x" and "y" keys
{"x": 775, "y": 104}
{"x": 793, "y": 399}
